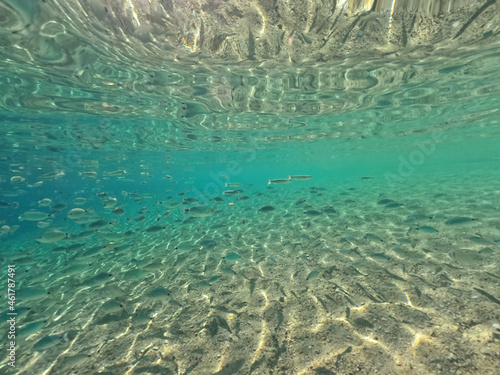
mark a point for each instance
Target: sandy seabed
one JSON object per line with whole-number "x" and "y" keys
{"x": 356, "y": 279}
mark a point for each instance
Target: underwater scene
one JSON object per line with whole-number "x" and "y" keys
{"x": 250, "y": 187}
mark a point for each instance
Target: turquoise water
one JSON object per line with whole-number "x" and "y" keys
{"x": 190, "y": 216}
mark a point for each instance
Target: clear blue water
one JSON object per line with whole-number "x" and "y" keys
{"x": 138, "y": 207}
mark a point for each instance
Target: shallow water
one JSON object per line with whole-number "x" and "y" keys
{"x": 138, "y": 207}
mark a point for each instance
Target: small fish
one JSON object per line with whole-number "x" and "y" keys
{"x": 173, "y": 204}
{"x": 487, "y": 295}
{"x": 113, "y": 236}
{"x": 75, "y": 269}
{"x": 34, "y": 216}
{"x": 459, "y": 220}
{"x": 155, "y": 229}
{"x": 200, "y": 211}
{"x": 385, "y": 201}
{"x": 111, "y": 307}
{"x": 141, "y": 318}
{"x": 427, "y": 229}
{"x": 155, "y": 266}
{"x": 329, "y": 210}
{"x": 380, "y": 256}
{"x": 112, "y": 291}
{"x": 44, "y": 224}
{"x": 208, "y": 243}
{"x": 312, "y": 212}
{"x": 30, "y": 328}
{"x": 84, "y": 234}
{"x": 267, "y": 209}
{"x": 99, "y": 224}
{"x": 25, "y": 261}
{"x": 367, "y": 178}
{"x": 243, "y": 198}
{"x": 76, "y": 213}
{"x": 36, "y": 184}
{"x": 183, "y": 246}
{"x": 300, "y": 177}
{"x": 479, "y": 240}
{"x": 80, "y": 201}
{"x": 486, "y": 250}
{"x": 118, "y": 211}
{"x": 213, "y": 279}
{"x": 231, "y": 257}
{"x": 4, "y": 229}
{"x": 373, "y": 237}
{"x": 393, "y": 205}
{"x": 136, "y": 196}
{"x": 411, "y": 218}
{"x": 89, "y": 175}
{"x": 51, "y": 175}
{"x": 351, "y": 239}
{"x": 312, "y": 275}
{"x": 44, "y": 202}
{"x": 16, "y": 193}
{"x": 48, "y": 342}
{"x": 21, "y": 311}
{"x": 227, "y": 270}
{"x": 279, "y": 181}
{"x": 99, "y": 279}
{"x": 110, "y": 202}
{"x": 52, "y": 236}
{"x": 115, "y": 173}
{"x": 159, "y": 293}
{"x": 89, "y": 253}
{"x": 251, "y": 45}
{"x": 17, "y": 179}
{"x": 252, "y": 285}
{"x": 74, "y": 360}
{"x": 31, "y": 293}
{"x": 232, "y": 192}
{"x": 203, "y": 284}
{"x": 233, "y": 184}
{"x": 223, "y": 323}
